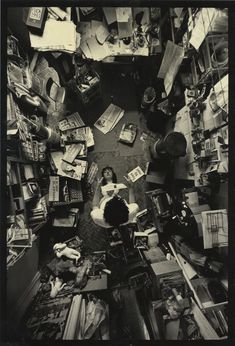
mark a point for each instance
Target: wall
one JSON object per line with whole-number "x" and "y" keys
{"x": 15, "y": 16}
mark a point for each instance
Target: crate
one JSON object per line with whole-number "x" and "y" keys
{"x": 86, "y": 87}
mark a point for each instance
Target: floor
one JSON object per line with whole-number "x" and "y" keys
{"x": 118, "y": 86}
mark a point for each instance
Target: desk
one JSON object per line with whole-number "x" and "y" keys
{"x": 187, "y": 167}
{"x": 96, "y": 38}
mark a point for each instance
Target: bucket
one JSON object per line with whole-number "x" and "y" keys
{"x": 148, "y": 97}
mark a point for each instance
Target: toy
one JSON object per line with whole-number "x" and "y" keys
{"x": 61, "y": 249}
{"x": 56, "y": 287}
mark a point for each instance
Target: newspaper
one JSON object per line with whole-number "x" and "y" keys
{"x": 171, "y": 61}
{"x": 109, "y": 118}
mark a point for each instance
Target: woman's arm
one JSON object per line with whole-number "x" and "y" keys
{"x": 96, "y": 198}
{"x": 131, "y": 190}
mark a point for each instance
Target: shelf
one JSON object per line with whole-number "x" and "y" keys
{"x": 198, "y": 308}
{"x": 39, "y": 226}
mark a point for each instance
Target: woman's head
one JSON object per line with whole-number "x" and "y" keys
{"x": 108, "y": 175}
{"x": 116, "y": 211}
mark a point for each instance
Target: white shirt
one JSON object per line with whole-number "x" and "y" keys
{"x": 97, "y": 214}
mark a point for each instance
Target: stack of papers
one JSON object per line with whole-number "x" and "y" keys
{"x": 57, "y": 36}
{"x": 109, "y": 118}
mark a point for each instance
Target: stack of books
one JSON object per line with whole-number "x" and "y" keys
{"x": 39, "y": 213}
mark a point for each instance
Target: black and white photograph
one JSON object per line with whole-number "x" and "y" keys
{"x": 115, "y": 171}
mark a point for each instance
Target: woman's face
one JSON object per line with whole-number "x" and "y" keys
{"x": 108, "y": 174}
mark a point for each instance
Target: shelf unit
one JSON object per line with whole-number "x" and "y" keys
{"x": 199, "y": 309}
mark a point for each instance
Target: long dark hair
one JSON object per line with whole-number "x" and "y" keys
{"x": 104, "y": 181}
{"x": 116, "y": 211}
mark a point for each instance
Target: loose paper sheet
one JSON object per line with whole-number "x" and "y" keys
{"x": 97, "y": 50}
{"x": 123, "y": 14}
{"x": 135, "y": 174}
{"x": 221, "y": 91}
{"x": 102, "y": 33}
{"x": 203, "y": 24}
{"x": 109, "y": 118}
{"x": 110, "y": 14}
{"x": 171, "y": 61}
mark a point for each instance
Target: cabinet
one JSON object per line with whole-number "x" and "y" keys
{"x": 26, "y": 207}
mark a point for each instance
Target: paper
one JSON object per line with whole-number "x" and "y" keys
{"x": 65, "y": 169}
{"x": 215, "y": 228}
{"x": 93, "y": 170}
{"x": 109, "y": 118}
{"x": 71, "y": 152}
{"x": 203, "y": 24}
{"x": 172, "y": 53}
{"x": 28, "y": 172}
{"x": 187, "y": 268}
{"x": 110, "y": 14}
{"x": 72, "y": 121}
{"x": 221, "y": 92}
{"x": 171, "y": 61}
{"x": 135, "y": 174}
{"x": 146, "y": 15}
{"x": 102, "y": 33}
{"x": 87, "y": 10}
{"x": 125, "y": 29}
{"x": 57, "y": 35}
{"x": 54, "y": 189}
{"x": 85, "y": 30}
{"x": 86, "y": 50}
{"x": 112, "y": 187}
{"x": 82, "y": 134}
{"x": 95, "y": 25}
{"x": 97, "y": 51}
{"x": 57, "y": 12}
{"x": 192, "y": 198}
{"x": 123, "y": 14}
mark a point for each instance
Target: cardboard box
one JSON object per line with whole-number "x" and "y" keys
{"x": 165, "y": 268}
{"x": 36, "y": 19}
{"x": 154, "y": 175}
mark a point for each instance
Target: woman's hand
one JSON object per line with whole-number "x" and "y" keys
{"x": 99, "y": 181}
{"x": 129, "y": 183}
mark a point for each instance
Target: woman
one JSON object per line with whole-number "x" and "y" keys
{"x": 112, "y": 210}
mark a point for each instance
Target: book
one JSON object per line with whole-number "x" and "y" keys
{"x": 135, "y": 174}
{"x": 71, "y": 152}
{"x": 128, "y": 133}
{"x": 79, "y": 134}
{"x": 109, "y": 119}
{"x": 18, "y": 235}
{"x": 54, "y": 189}
{"x": 112, "y": 187}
